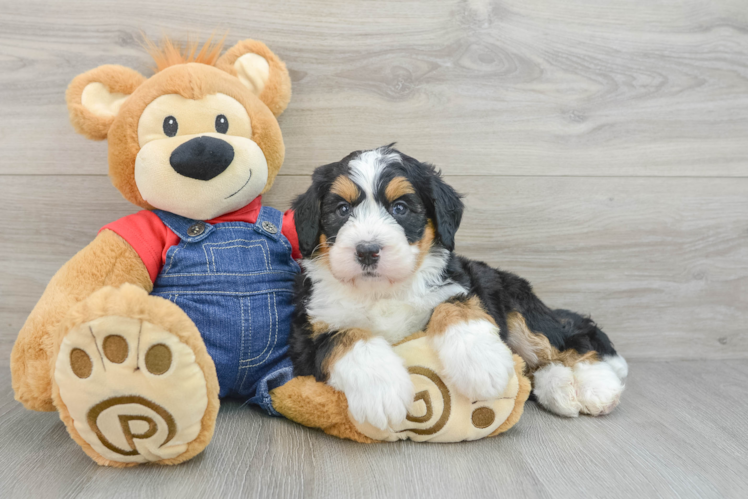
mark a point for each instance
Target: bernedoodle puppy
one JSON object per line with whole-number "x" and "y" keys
{"x": 377, "y": 232}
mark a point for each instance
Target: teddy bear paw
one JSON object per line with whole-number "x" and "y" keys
{"x": 133, "y": 391}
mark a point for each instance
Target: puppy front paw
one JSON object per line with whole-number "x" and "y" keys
{"x": 382, "y": 404}
{"x": 475, "y": 359}
{"x": 375, "y": 382}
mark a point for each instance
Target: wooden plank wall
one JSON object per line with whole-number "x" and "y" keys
{"x": 602, "y": 146}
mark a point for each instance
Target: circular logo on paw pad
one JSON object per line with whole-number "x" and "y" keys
{"x": 426, "y": 398}
{"x": 129, "y": 422}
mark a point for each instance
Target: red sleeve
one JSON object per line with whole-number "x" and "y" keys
{"x": 145, "y": 232}
{"x": 289, "y": 231}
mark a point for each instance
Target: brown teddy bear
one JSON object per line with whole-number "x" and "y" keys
{"x": 189, "y": 300}
{"x": 168, "y": 309}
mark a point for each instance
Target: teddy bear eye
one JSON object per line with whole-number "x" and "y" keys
{"x": 170, "y": 126}
{"x": 222, "y": 124}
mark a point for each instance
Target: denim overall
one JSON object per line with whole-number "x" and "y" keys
{"x": 235, "y": 281}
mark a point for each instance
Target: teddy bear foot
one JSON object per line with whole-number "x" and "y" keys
{"x": 132, "y": 390}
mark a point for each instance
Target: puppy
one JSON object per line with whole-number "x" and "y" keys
{"x": 377, "y": 233}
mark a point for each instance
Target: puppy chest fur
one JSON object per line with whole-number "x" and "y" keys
{"x": 392, "y": 316}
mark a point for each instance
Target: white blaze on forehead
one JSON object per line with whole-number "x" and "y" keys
{"x": 368, "y": 167}
{"x": 370, "y": 222}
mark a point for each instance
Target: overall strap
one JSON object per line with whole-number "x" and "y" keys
{"x": 269, "y": 223}
{"x": 188, "y": 230}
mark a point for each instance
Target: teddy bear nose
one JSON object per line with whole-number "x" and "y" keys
{"x": 202, "y": 158}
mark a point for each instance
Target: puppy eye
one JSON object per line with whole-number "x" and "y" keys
{"x": 222, "y": 124}
{"x": 170, "y": 126}
{"x": 399, "y": 208}
{"x": 343, "y": 209}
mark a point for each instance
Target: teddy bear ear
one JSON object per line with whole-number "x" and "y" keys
{"x": 259, "y": 70}
{"x": 94, "y": 98}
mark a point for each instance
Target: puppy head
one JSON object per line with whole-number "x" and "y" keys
{"x": 375, "y": 215}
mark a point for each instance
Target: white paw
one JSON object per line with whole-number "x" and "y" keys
{"x": 375, "y": 382}
{"x": 555, "y": 389}
{"x": 598, "y": 387}
{"x": 619, "y": 366}
{"x": 476, "y": 361}
{"x": 591, "y": 388}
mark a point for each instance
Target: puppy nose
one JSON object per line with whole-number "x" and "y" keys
{"x": 367, "y": 253}
{"x": 202, "y": 158}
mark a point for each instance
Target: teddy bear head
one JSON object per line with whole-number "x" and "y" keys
{"x": 200, "y": 137}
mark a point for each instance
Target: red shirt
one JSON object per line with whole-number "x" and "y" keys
{"x": 151, "y": 239}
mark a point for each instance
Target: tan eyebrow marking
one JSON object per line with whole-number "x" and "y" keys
{"x": 345, "y": 188}
{"x": 399, "y": 186}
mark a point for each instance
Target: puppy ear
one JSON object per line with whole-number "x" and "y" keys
{"x": 260, "y": 71}
{"x": 448, "y": 209}
{"x": 94, "y": 98}
{"x": 307, "y": 215}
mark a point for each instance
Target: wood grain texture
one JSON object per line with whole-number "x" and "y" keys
{"x": 661, "y": 264}
{"x": 602, "y": 150}
{"x": 679, "y": 432}
{"x": 480, "y": 86}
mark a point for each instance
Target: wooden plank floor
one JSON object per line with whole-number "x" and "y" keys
{"x": 603, "y": 151}
{"x": 680, "y": 432}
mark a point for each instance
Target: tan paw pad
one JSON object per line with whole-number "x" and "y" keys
{"x": 134, "y": 390}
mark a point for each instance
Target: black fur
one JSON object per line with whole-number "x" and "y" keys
{"x": 307, "y": 352}
{"x": 308, "y": 206}
{"x": 440, "y": 201}
{"x": 500, "y": 292}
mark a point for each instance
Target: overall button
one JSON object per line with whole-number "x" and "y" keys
{"x": 269, "y": 227}
{"x": 196, "y": 229}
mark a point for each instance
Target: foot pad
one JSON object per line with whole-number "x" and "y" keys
{"x": 134, "y": 391}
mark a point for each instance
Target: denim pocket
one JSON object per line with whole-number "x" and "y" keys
{"x": 244, "y": 255}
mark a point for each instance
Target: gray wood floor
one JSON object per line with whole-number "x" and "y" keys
{"x": 679, "y": 433}
{"x": 603, "y": 151}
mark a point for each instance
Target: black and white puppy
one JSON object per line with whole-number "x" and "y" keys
{"x": 377, "y": 232}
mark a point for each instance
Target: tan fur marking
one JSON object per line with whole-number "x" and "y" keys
{"x": 345, "y": 339}
{"x": 536, "y": 350}
{"x": 319, "y": 328}
{"x": 321, "y": 252}
{"x": 452, "y": 313}
{"x": 345, "y": 188}
{"x": 425, "y": 243}
{"x": 399, "y": 186}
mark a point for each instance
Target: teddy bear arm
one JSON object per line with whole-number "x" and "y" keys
{"x": 107, "y": 261}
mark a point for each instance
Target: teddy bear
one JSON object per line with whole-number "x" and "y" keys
{"x": 439, "y": 413}
{"x": 167, "y": 310}
{"x": 137, "y": 338}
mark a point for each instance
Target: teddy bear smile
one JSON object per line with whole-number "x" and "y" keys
{"x": 243, "y": 186}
